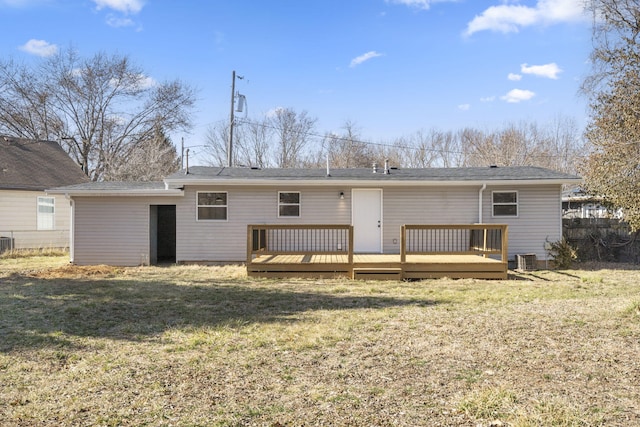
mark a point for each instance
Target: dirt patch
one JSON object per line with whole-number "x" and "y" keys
{"x": 77, "y": 272}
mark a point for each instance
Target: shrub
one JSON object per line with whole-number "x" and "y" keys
{"x": 563, "y": 253}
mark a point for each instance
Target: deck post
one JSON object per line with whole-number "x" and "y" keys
{"x": 505, "y": 244}
{"x": 350, "y": 258}
{"x": 484, "y": 243}
{"x": 249, "y": 244}
{"x": 403, "y": 243}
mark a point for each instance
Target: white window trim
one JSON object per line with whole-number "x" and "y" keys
{"x": 53, "y": 215}
{"x": 517, "y": 204}
{"x": 205, "y": 206}
{"x": 299, "y": 205}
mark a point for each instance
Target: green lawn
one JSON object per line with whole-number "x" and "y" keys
{"x": 193, "y": 345}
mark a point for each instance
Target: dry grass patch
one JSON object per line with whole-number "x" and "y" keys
{"x": 77, "y": 272}
{"x": 196, "y": 345}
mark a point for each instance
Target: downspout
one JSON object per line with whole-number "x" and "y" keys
{"x": 484, "y": 187}
{"x": 72, "y": 228}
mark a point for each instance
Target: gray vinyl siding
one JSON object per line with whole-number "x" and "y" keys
{"x": 226, "y": 241}
{"x": 19, "y": 219}
{"x": 114, "y": 230}
{"x": 539, "y": 218}
{"x": 428, "y": 205}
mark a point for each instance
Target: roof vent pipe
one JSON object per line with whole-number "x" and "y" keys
{"x": 375, "y": 167}
{"x": 386, "y": 166}
{"x": 186, "y": 170}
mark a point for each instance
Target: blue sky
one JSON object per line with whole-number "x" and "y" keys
{"x": 392, "y": 67}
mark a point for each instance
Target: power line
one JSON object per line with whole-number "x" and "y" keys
{"x": 380, "y": 144}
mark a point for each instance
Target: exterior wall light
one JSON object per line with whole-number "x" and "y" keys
{"x": 342, "y": 195}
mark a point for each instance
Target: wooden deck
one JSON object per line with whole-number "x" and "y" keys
{"x": 324, "y": 251}
{"x": 378, "y": 266}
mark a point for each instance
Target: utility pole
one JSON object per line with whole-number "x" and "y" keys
{"x": 231, "y": 121}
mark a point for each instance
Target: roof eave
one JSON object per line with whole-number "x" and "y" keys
{"x": 119, "y": 193}
{"x": 378, "y": 182}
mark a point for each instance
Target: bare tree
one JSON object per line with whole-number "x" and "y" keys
{"x": 345, "y": 149}
{"x": 26, "y": 103}
{"x": 99, "y": 107}
{"x": 568, "y": 147}
{"x": 292, "y": 133}
{"x": 255, "y": 149}
{"x": 425, "y": 149}
{"x": 251, "y": 141}
{"x": 150, "y": 160}
{"x": 515, "y": 145}
{"x": 217, "y": 138}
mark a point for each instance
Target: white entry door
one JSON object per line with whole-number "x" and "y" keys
{"x": 366, "y": 214}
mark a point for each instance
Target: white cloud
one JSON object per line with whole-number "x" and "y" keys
{"x": 116, "y": 22}
{"x": 419, "y": 4}
{"x": 517, "y": 95}
{"x": 362, "y": 58}
{"x": 549, "y": 71}
{"x": 273, "y": 112}
{"x": 39, "y": 48}
{"x": 146, "y": 82}
{"x": 124, "y": 6}
{"x": 509, "y": 18}
{"x": 142, "y": 82}
{"x": 514, "y": 77}
{"x": 488, "y": 99}
{"x": 464, "y": 107}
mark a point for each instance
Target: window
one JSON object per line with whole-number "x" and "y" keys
{"x": 46, "y": 213}
{"x": 212, "y": 206}
{"x": 505, "y": 203}
{"x": 289, "y": 204}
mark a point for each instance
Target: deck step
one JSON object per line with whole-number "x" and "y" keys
{"x": 377, "y": 273}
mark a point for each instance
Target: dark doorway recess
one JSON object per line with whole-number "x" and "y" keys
{"x": 162, "y": 234}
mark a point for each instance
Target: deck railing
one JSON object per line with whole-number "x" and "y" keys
{"x": 467, "y": 239}
{"x": 307, "y": 239}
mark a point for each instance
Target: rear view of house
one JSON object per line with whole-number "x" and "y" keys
{"x": 30, "y": 218}
{"x": 206, "y": 214}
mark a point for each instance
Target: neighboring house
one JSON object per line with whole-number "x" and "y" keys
{"x": 202, "y": 215}
{"x": 578, "y": 204}
{"x": 30, "y": 218}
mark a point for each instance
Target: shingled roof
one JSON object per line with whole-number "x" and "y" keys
{"x": 202, "y": 174}
{"x": 27, "y": 164}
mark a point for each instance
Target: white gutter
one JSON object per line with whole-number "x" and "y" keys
{"x": 484, "y": 186}
{"x": 362, "y": 183}
{"x": 72, "y": 228}
{"x": 107, "y": 193}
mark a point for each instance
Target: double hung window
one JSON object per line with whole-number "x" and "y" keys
{"x": 212, "y": 206}
{"x": 288, "y": 204}
{"x": 504, "y": 203}
{"x": 46, "y": 213}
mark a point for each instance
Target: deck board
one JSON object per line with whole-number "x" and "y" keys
{"x": 415, "y": 267}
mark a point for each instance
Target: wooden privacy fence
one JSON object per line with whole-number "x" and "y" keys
{"x": 467, "y": 239}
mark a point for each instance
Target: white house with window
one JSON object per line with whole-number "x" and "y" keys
{"x": 29, "y": 218}
{"x": 202, "y": 215}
